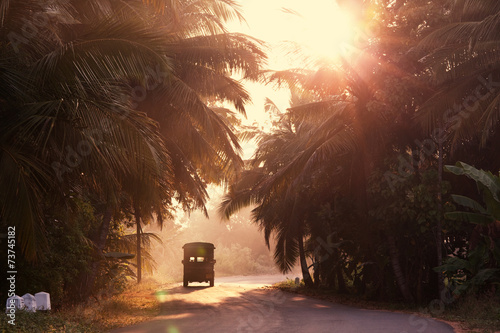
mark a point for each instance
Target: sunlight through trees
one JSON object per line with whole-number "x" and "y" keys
{"x": 118, "y": 114}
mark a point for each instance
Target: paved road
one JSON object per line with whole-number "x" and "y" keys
{"x": 240, "y": 304}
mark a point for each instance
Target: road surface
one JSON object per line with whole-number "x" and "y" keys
{"x": 241, "y": 304}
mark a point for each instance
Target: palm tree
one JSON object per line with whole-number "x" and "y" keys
{"x": 73, "y": 119}
{"x": 204, "y": 56}
{"x": 341, "y": 125}
{"x": 82, "y": 114}
{"x": 461, "y": 60}
{"x": 285, "y": 164}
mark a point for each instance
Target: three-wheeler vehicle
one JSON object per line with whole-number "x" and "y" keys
{"x": 198, "y": 263}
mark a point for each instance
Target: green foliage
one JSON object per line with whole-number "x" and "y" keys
{"x": 289, "y": 285}
{"x": 107, "y": 103}
{"x": 487, "y": 183}
{"x": 480, "y": 269}
{"x": 334, "y": 254}
{"x": 72, "y": 107}
{"x": 477, "y": 313}
{"x": 68, "y": 257}
{"x": 468, "y": 203}
{"x": 68, "y": 254}
{"x": 114, "y": 277}
{"x": 411, "y": 200}
{"x": 467, "y": 217}
{"x": 408, "y": 211}
{"x": 27, "y": 322}
{"x": 126, "y": 245}
{"x": 476, "y": 273}
{"x": 419, "y": 93}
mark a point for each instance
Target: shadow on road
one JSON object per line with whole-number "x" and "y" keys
{"x": 228, "y": 308}
{"x": 184, "y": 290}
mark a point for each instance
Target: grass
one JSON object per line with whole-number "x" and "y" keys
{"x": 475, "y": 314}
{"x": 470, "y": 314}
{"x": 137, "y": 304}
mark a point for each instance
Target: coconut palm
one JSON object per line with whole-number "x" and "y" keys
{"x": 285, "y": 167}
{"x": 462, "y": 61}
{"x": 81, "y": 75}
{"x": 204, "y": 57}
{"x": 339, "y": 124}
{"x": 68, "y": 118}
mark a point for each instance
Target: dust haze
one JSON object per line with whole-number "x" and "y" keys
{"x": 240, "y": 248}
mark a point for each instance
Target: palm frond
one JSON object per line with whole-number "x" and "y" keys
{"x": 286, "y": 251}
{"x": 473, "y": 10}
{"x": 23, "y": 181}
{"x": 242, "y": 193}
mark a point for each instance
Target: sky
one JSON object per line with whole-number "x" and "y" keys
{"x": 318, "y": 25}
{"x": 315, "y": 24}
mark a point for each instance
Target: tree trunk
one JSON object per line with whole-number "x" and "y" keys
{"x": 138, "y": 251}
{"x": 316, "y": 271}
{"x": 87, "y": 280}
{"x": 104, "y": 229}
{"x": 340, "y": 279}
{"x": 420, "y": 276}
{"x": 439, "y": 227}
{"x": 398, "y": 272}
{"x": 303, "y": 264}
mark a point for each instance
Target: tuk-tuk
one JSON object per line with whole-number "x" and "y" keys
{"x": 198, "y": 263}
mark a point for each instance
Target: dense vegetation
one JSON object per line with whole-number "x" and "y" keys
{"x": 350, "y": 182}
{"x": 110, "y": 118}
{"x": 105, "y": 123}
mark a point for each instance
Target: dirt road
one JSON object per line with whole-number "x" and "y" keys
{"x": 240, "y": 304}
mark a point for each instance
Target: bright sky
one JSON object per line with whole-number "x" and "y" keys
{"x": 319, "y": 25}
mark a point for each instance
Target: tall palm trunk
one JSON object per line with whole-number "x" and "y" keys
{"x": 303, "y": 264}
{"x": 137, "y": 215}
{"x": 398, "y": 272}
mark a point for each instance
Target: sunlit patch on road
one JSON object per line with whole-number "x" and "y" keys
{"x": 320, "y": 306}
{"x": 173, "y": 329}
{"x": 161, "y": 295}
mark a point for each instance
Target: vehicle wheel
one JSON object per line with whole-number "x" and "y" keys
{"x": 212, "y": 282}
{"x": 185, "y": 284}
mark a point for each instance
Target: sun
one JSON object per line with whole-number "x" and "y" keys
{"x": 321, "y": 27}
{"x": 325, "y": 30}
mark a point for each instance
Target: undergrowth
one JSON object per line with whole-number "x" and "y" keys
{"x": 137, "y": 304}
